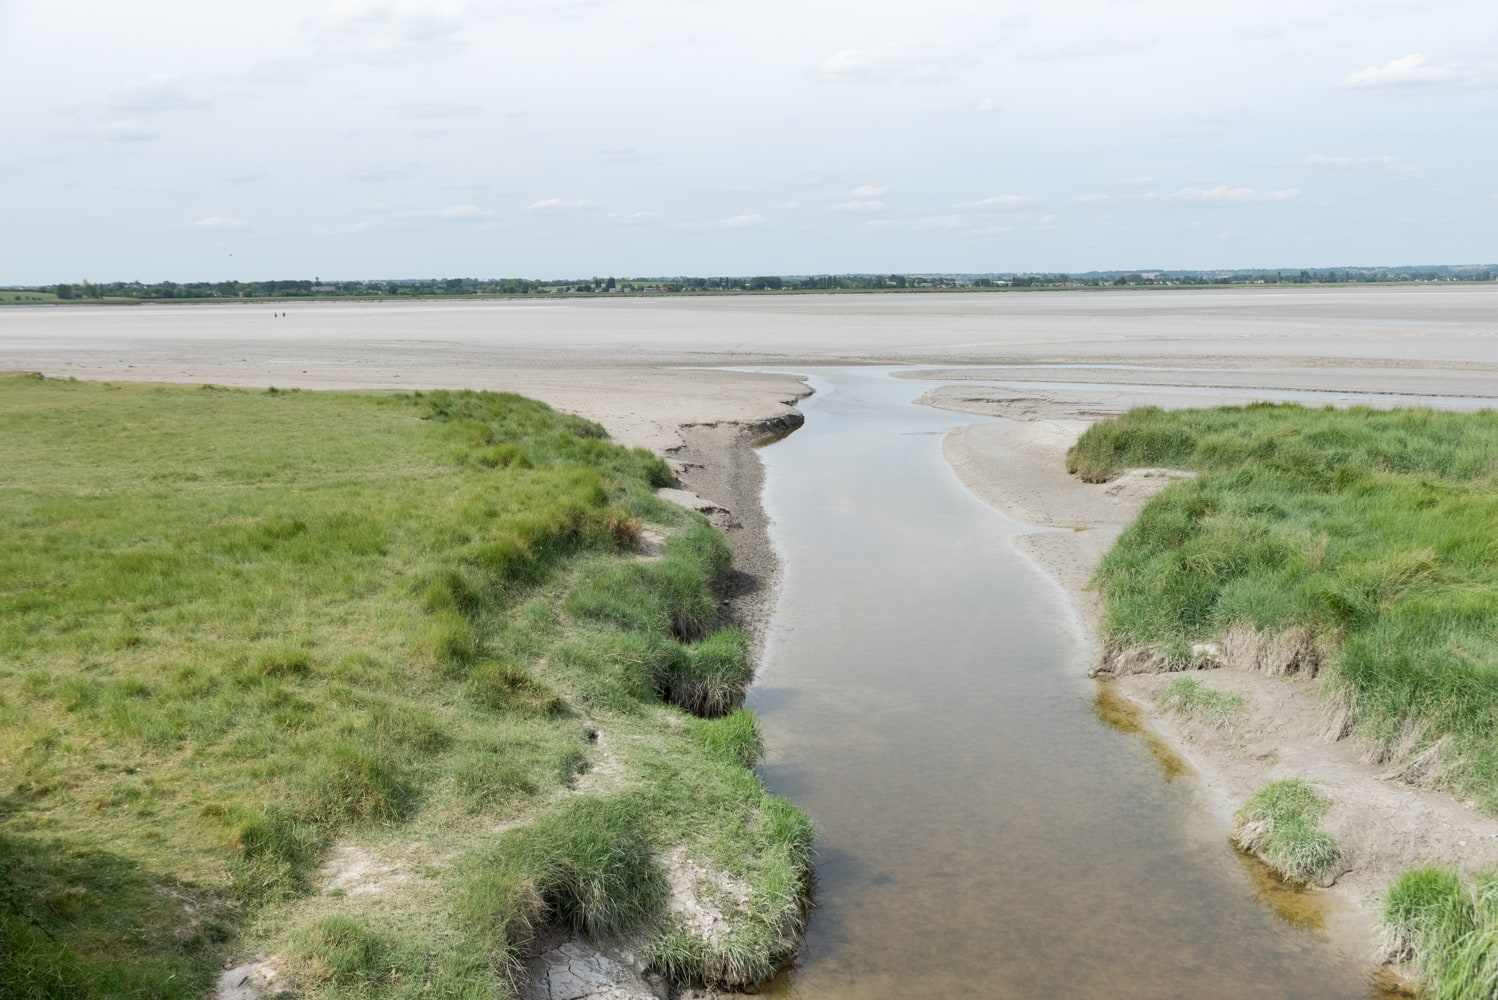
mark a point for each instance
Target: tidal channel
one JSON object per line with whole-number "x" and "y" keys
{"x": 984, "y": 830}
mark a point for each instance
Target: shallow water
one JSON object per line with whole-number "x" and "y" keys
{"x": 987, "y": 829}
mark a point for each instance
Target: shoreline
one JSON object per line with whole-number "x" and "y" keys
{"x": 723, "y": 478}
{"x": 1018, "y": 467}
{"x": 1384, "y": 824}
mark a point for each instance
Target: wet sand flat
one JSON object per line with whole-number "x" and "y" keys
{"x": 1363, "y": 331}
{"x": 616, "y": 360}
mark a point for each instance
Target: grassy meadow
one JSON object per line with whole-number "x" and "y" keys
{"x": 375, "y": 685}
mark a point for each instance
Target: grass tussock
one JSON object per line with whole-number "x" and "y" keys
{"x": 1357, "y": 543}
{"x": 589, "y": 866}
{"x": 734, "y": 737}
{"x": 1446, "y": 930}
{"x": 240, "y": 628}
{"x": 1279, "y": 825}
{"x": 1190, "y": 697}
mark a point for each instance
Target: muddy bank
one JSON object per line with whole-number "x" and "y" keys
{"x": 717, "y": 466}
{"x": 1286, "y": 730}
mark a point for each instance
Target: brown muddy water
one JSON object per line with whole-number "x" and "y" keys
{"x": 988, "y": 827}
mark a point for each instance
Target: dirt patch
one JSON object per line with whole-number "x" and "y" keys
{"x": 607, "y": 771}
{"x": 576, "y": 971}
{"x": 702, "y": 899}
{"x": 248, "y": 981}
{"x": 353, "y": 870}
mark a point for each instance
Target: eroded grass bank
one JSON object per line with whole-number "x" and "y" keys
{"x": 1357, "y": 546}
{"x": 378, "y": 687}
{"x": 1367, "y": 536}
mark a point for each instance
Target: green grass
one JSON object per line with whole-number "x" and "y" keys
{"x": 1279, "y": 825}
{"x": 22, "y": 297}
{"x": 1371, "y": 530}
{"x": 1446, "y": 930}
{"x": 1190, "y": 697}
{"x": 239, "y": 629}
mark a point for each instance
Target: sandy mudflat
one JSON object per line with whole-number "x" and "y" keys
{"x": 1051, "y": 361}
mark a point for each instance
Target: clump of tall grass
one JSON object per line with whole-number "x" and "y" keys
{"x": 1190, "y": 697}
{"x": 1425, "y": 913}
{"x": 1366, "y": 534}
{"x": 712, "y": 676}
{"x": 733, "y": 737}
{"x": 588, "y": 865}
{"x": 339, "y": 952}
{"x": 348, "y": 783}
{"x": 1279, "y": 825}
{"x": 509, "y": 687}
{"x": 750, "y": 950}
{"x": 1446, "y": 930}
{"x": 669, "y": 597}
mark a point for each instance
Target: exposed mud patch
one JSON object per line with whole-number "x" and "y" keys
{"x": 352, "y": 870}
{"x": 577, "y": 971}
{"x": 248, "y": 981}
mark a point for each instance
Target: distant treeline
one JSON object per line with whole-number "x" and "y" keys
{"x": 117, "y": 291}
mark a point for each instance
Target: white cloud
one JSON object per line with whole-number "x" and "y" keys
{"x": 1407, "y": 72}
{"x": 862, "y": 207}
{"x": 630, "y": 218}
{"x": 393, "y": 27}
{"x": 127, "y": 131}
{"x": 937, "y": 222}
{"x": 868, "y": 191}
{"x": 547, "y": 6}
{"x": 435, "y": 111}
{"x": 158, "y": 92}
{"x": 1088, "y": 199}
{"x": 460, "y": 213}
{"x": 931, "y": 223}
{"x": 416, "y": 12}
{"x": 986, "y": 105}
{"x": 1006, "y": 201}
{"x": 755, "y": 221}
{"x": 559, "y": 205}
{"x": 1223, "y": 193}
{"x": 353, "y": 229}
{"x": 1091, "y": 44}
{"x": 379, "y": 175}
{"x": 1322, "y": 160}
{"x": 221, "y": 223}
{"x": 899, "y": 64}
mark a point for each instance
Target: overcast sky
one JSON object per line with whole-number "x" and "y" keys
{"x": 211, "y": 139}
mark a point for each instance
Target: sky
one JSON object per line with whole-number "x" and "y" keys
{"x": 204, "y": 140}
